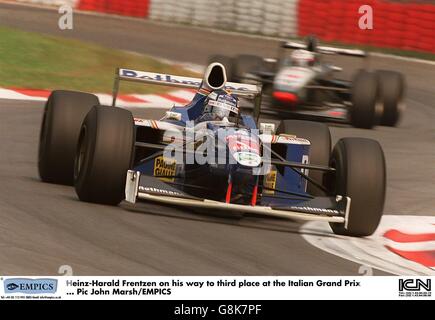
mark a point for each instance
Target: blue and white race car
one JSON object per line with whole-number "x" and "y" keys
{"x": 207, "y": 155}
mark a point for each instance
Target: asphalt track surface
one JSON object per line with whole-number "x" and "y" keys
{"x": 44, "y": 226}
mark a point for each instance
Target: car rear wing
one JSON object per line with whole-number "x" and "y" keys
{"x": 250, "y": 91}
{"x": 327, "y": 50}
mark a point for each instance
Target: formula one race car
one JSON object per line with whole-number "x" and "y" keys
{"x": 300, "y": 85}
{"x": 206, "y": 155}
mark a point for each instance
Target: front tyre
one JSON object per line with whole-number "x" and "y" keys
{"x": 361, "y": 175}
{"x": 104, "y": 154}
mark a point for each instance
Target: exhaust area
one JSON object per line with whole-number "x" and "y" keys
{"x": 215, "y": 76}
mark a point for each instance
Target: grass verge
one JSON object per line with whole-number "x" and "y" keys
{"x": 32, "y": 60}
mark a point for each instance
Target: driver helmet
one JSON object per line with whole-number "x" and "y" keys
{"x": 219, "y": 105}
{"x": 302, "y": 58}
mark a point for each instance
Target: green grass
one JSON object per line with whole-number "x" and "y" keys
{"x": 32, "y": 60}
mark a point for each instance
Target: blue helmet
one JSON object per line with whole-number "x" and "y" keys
{"x": 220, "y": 104}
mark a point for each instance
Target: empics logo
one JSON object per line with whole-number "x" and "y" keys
{"x": 12, "y": 286}
{"x": 415, "y": 288}
{"x": 30, "y": 286}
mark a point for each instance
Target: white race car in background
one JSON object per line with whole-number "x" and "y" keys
{"x": 301, "y": 85}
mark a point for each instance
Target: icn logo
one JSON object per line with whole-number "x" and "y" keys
{"x": 415, "y": 288}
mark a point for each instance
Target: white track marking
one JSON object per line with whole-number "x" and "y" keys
{"x": 413, "y": 246}
{"x": 156, "y": 101}
{"x": 183, "y": 94}
{"x": 14, "y": 95}
{"x": 149, "y": 100}
{"x": 371, "y": 251}
{"x": 11, "y": 94}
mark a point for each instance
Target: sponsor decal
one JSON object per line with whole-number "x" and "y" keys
{"x": 245, "y": 148}
{"x": 248, "y": 159}
{"x": 173, "y": 115}
{"x": 159, "y": 191}
{"x": 316, "y": 210}
{"x": 240, "y": 142}
{"x": 270, "y": 182}
{"x": 170, "y": 79}
{"x": 30, "y": 286}
{"x": 159, "y": 77}
{"x": 213, "y": 96}
{"x": 225, "y": 105}
{"x": 284, "y": 138}
{"x": 165, "y": 167}
{"x": 267, "y": 128}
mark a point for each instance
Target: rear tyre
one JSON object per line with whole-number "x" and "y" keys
{"x": 227, "y": 62}
{"x": 320, "y": 151}
{"x": 365, "y": 94}
{"x": 360, "y": 175}
{"x": 245, "y": 64}
{"x": 104, "y": 154}
{"x": 392, "y": 89}
{"x": 63, "y": 116}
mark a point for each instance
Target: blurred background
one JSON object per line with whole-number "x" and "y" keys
{"x": 399, "y": 24}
